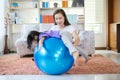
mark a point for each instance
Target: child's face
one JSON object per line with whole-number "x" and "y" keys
{"x": 59, "y": 19}
{"x": 35, "y": 38}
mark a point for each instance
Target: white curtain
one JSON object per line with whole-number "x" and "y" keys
{"x": 95, "y": 19}
{"x": 2, "y": 30}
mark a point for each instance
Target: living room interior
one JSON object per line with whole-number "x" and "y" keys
{"x": 97, "y": 21}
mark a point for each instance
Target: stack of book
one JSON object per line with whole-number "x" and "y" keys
{"x": 46, "y": 18}
{"x": 80, "y": 19}
{"x": 72, "y": 18}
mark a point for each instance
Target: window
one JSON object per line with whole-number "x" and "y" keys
{"x": 97, "y": 28}
{"x": 94, "y": 15}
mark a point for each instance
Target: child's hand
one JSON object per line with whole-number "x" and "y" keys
{"x": 41, "y": 42}
{"x": 40, "y": 45}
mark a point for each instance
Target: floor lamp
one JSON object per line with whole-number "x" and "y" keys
{"x": 6, "y": 50}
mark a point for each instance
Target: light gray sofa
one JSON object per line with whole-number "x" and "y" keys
{"x": 86, "y": 38}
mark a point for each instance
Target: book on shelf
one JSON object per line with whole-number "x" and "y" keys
{"x": 80, "y": 19}
{"x": 72, "y": 18}
{"x": 40, "y": 18}
{"x": 45, "y": 4}
{"x": 64, "y": 3}
{"x": 46, "y": 18}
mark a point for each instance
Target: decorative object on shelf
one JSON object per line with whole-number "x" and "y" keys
{"x": 78, "y": 3}
{"x": 14, "y": 5}
{"x": 45, "y": 4}
{"x": 55, "y": 5}
{"x": 12, "y": 17}
{"x": 64, "y": 3}
{"x": 36, "y": 5}
{"x": 6, "y": 50}
{"x": 80, "y": 19}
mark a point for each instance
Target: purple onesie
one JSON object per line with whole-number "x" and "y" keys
{"x": 50, "y": 33}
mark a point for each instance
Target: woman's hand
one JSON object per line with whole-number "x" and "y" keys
{"x": 41, "y": 42}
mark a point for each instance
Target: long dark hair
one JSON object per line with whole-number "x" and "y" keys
{"x": 66, "y": 22}
{"x": 31, "y": 38}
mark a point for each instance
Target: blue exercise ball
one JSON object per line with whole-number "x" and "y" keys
{"x": 53, "y": 58}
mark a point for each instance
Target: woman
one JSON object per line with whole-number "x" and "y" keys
{"x": 68, "y": 34}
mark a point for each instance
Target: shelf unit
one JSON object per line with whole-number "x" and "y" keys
{"x": 74, "y": 14}
{"x": 24, "y": 12}
{"x": 21, "y": 12}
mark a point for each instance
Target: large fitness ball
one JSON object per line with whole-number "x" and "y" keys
{"x": 54, "y": 57}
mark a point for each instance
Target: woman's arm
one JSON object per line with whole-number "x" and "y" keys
{"x": 76, "y": 37}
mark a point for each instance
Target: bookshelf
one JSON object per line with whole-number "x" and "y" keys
{"x": 24, "y": 11}
{"x": 75, "y": 14}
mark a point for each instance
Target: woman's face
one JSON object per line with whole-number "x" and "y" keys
{"x": 59, "y": 19}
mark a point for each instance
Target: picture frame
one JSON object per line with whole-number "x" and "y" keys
{"x": 78, "y": 3}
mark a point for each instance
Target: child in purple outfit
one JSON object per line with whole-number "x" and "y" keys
{"x": 48, "y": 34}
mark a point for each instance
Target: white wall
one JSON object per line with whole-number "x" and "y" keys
{"x": 2, "y": 7}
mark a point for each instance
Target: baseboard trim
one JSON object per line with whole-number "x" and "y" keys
{"x": 100, "y": 48}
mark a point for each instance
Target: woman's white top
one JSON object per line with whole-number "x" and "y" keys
{"x": 68, "y": 28}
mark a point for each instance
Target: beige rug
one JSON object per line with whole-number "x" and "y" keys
{"x": 14, "y": 65}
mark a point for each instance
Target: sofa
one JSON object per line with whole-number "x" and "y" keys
{"x": 86, "y": 37}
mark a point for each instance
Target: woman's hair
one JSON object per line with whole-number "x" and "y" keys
{"x": 66, "y": 22}
{"x": 31, "y": 38}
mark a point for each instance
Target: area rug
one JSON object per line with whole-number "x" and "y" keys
{"x": 12, "y": 64}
